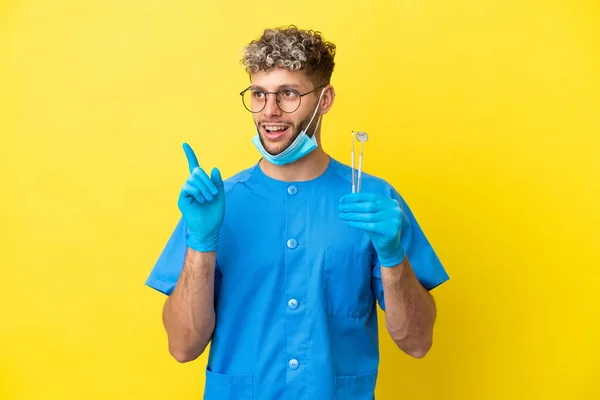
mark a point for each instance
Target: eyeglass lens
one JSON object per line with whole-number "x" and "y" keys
{"x": 288, "y": 100}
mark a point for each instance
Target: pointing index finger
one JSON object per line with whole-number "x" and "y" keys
{"x": 191, "y": 157}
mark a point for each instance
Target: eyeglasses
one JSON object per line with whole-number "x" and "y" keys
{"x": 288, "y": 100}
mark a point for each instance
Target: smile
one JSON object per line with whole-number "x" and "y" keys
{"x": 274, "y": 132}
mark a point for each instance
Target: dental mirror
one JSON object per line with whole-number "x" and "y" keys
{"x": 362, "y": 136}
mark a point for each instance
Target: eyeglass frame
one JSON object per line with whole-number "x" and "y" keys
{"x": 276, "y": 99}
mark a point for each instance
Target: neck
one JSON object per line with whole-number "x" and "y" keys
{"x": 308, "y": 167}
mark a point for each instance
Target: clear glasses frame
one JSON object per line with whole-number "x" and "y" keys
{"x": 277, "y": 99}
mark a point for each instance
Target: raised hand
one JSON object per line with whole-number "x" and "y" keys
{"x": 381, "y": 218}
{"x": 202, "y": 205}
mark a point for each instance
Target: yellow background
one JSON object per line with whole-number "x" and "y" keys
{"x": 484, "y": 114}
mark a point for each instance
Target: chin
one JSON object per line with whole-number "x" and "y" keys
{"x": 276, "y": 147}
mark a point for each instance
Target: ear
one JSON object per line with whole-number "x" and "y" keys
{"x": 328, "y": 98}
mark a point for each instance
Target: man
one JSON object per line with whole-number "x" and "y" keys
{"x": 280, "y": 266}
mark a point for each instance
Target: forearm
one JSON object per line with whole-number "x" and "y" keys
{"x": 188, "y": 313}
{"x": 410, "y": 309}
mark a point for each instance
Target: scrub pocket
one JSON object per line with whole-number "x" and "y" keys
{"x": 358, "y": 387}
{"x": 227, "y": 387}
{"x": 347, "y": 283}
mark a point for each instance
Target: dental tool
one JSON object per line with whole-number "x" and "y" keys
{"x": 362, "y": 137}
{"x": 353, "y": 185}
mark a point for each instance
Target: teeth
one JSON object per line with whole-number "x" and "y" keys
{"x": 273, "y": 128}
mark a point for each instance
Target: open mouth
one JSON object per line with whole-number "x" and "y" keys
{"x": 274, "y": 132}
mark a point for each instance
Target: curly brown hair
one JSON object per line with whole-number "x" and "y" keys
{"x": 294, "y": 49}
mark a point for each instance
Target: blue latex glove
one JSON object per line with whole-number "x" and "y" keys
{"x": 202, "y": 205}
{"x": 381, "y": 218}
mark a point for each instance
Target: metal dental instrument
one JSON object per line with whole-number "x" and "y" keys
{"x": 362, "y": 137}
{"x": 353, "y": 185}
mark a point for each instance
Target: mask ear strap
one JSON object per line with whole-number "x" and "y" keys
{"x": 316, "y": 109}
{"x": 317, "y": 126}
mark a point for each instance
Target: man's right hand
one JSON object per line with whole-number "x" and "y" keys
{"x": 202, "y": 205}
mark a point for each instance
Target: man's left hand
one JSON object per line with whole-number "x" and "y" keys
{"x": 381, "y": 218}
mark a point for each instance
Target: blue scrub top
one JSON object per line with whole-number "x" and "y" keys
{"x": 295, "y": 289}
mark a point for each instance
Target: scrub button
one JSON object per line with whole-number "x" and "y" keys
{"x": 293, "y": 363}
{"x": 292, "y": 190}
{"x": 293, "y": 304}
{"x": 292, "y": 244}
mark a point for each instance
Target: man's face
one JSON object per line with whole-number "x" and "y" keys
{"x": 277, "y": 129}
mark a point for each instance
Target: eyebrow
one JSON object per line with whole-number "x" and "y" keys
{"x": 287, "y": 85}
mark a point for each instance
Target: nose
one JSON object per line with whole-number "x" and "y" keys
{"x": 271, "y": 108}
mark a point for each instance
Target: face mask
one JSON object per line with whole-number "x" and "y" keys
{"x": 300, "y": 147}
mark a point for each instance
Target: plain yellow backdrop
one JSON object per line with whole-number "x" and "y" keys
{"x": 485, "y": 115}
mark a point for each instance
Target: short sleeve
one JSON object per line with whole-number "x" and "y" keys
{"x": 166, "y": 271}
{"x": 421, "y": 255}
